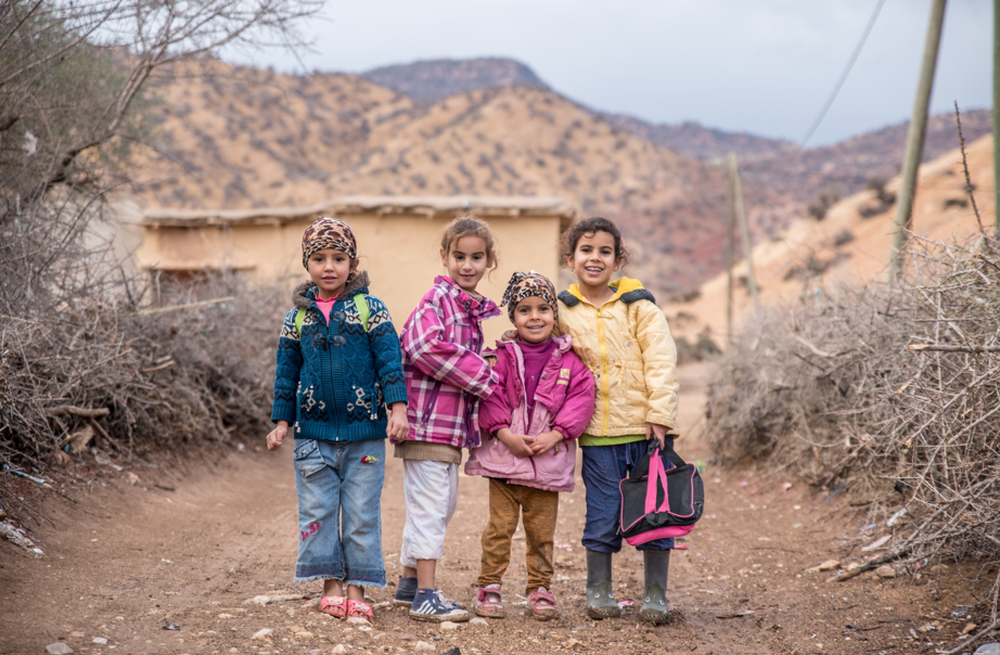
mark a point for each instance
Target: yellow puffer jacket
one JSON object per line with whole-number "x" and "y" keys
{"x": 626, "y": 344}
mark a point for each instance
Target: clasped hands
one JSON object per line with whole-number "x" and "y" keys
{"x": 523, "y": 445}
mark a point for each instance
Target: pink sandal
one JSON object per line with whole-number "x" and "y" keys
{"x": 489, "y": 602}
{"x": 335, "y": 606}
{"x": 542, "y": 605}
{"x": 359, "y": 612}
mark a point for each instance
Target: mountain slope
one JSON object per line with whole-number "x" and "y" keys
{"x": 850, "y": 165}
{"x": 695, "y": 140}
{"x": 243, "y": 137}
{"x": 844, "y": 168}
{"x": 237, "y": 137}
{"x": 851, "y": 245}
{"x": 439, "y": 78}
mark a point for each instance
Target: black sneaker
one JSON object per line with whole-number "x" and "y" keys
{"x": 405, "y": 591}
{"x": 431, "y": 605}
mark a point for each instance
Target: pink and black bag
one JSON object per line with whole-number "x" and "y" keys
{"x": 659, "y": 503}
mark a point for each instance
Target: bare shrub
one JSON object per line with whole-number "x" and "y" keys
{"x": 159, "y": 379}
{"x": 883, "y": 201}
{"x": 826, "y": 198}
{"x": 72, "y": 345}
{"x": 894, "y": 392}
{"x": 703, "y": 348}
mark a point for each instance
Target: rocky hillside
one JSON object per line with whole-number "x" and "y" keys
{"x": 842, "y": 169}
{"x": 852, "y": 243}
{"x": 241, "y": 137}
{"x": 849, "y": 166}
{"x": 439, "y": 78}
{"x": 695, "y": 140}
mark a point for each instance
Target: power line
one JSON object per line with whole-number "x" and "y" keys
{"x": 843, "y": 76}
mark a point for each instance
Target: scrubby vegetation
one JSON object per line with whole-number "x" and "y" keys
{"x": 891, "y": 393}
{"x": 100, "y": 379}
{"x": 86, "y": 365}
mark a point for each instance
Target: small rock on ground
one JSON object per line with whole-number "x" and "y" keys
{"x": 58, "y": 648}
{"x": 828, "y": 565}
{"x": 988, "y": 649}
{"x": 885, "y": 571}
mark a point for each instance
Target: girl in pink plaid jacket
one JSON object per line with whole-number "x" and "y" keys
{"x": 445, "y": 379}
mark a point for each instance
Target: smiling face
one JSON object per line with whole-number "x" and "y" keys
{"x": 593, "y": 261}
{"x": 329, "y": 269}
{"x": 533, "y": 319}
{"x": 466, "y": 261}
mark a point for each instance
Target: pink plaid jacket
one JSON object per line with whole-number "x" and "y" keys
{"x": 445, "y": 375}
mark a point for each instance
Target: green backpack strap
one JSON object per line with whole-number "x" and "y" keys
{"x": 359, "y": 302}
{"x": 362, "y": 305}
{"x": 300, "y": 317}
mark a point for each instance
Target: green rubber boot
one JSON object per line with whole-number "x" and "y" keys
{"x": 654, "y": 600}
{"x": 601, "y": 602}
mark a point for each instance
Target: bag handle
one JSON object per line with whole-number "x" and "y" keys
{"x": 641, "y": 469}
{"x": 652, "y": 482}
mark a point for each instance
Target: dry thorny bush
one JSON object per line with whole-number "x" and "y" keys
{"x": 891, "y": 393}
{"x": 75, "y": 356}
{"x": 94, "y": 379}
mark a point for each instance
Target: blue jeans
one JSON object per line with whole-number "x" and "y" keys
{"x": 603, "y": 468}
{"x": 340, "y": 511}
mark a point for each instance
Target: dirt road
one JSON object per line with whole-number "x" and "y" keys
{"x": 192, "y": 545}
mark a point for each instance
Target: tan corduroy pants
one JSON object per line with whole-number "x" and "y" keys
{"x": 539, "y": 510}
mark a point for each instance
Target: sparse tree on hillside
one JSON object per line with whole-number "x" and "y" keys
{"x": 72, "y": 76}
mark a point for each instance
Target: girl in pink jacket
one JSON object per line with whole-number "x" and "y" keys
{"x": 543, "y": 402}
{"x": 445, "y": 378}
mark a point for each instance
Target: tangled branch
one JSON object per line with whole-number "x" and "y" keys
{"x": 893, "y": 392}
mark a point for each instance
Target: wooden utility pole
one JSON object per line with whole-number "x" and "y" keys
{"x": 730, "y": 228}
{"x": 741, "y": 217}
{"x": 996, "y": 117}
{"x": 915, "y": 139}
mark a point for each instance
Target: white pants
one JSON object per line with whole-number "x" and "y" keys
{"x": 431, "y": 492}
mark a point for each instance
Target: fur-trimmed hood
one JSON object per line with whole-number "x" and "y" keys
{"x": 301, "y": 296}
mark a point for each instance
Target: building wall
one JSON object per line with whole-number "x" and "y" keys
{"x": 399, "y": 251}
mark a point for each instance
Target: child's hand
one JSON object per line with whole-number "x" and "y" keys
{"x": 659, "y": 432}
{"x": 397, "y": 428}
{"x": 277, "y": 436}
{"x": 519, "y": 444}
{"x": 545, "y": 441}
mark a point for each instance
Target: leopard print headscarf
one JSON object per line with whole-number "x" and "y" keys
{"x": 525, "y": 285}
{"x": 331, "y": 233}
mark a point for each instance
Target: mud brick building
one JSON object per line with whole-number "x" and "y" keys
{"x": 398, "y": 241}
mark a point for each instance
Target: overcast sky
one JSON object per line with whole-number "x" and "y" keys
{"x": 764, "y": 67}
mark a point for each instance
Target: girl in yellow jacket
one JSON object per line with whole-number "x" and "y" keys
{"x": 623, "y": 338}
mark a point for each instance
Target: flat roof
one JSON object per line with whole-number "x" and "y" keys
{"x": 429, "y": 206}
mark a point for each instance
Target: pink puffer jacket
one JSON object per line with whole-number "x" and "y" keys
{"x": 564, "y": 401}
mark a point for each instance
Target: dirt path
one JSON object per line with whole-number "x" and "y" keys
{"x": 195, "y": 549}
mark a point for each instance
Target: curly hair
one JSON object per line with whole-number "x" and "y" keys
{"x": 589, "y": 227}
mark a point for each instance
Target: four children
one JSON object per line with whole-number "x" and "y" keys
{"x": 600, "y": 370}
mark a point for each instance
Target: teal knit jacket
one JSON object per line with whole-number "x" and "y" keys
{"x": 335, "y": 381}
